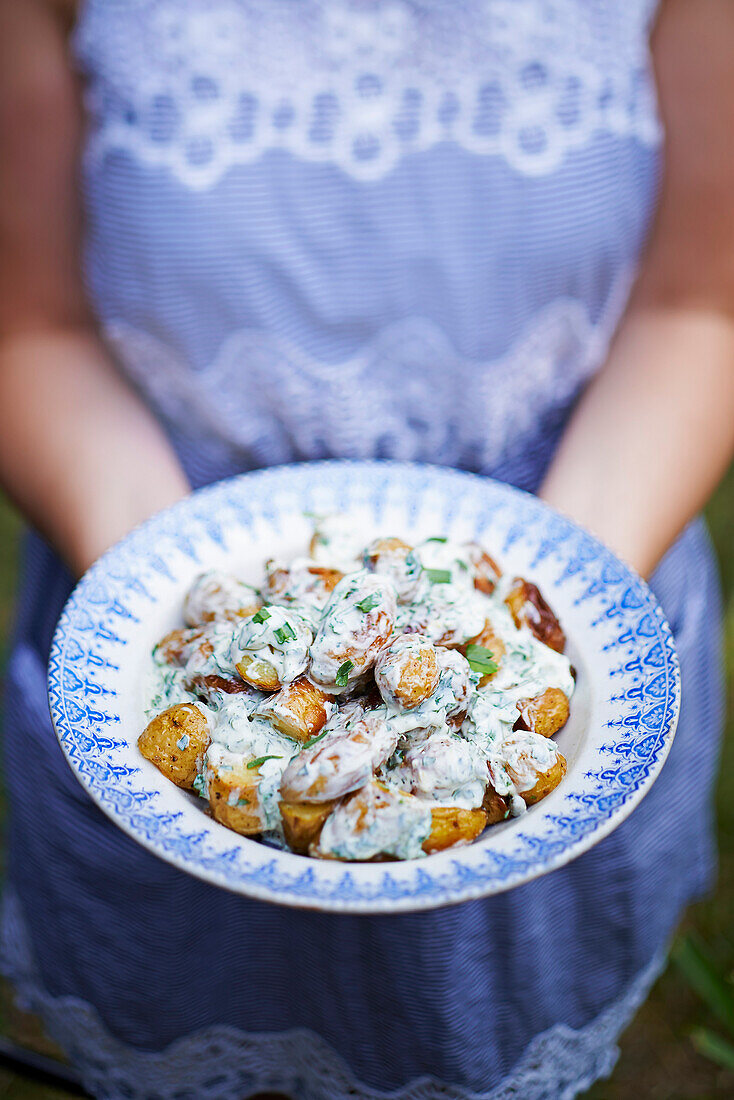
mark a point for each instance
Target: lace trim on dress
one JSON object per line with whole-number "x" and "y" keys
{"x": 199, "y": 88}
{"x": 222, "y": 1063}
{"x": 412, "y": 395}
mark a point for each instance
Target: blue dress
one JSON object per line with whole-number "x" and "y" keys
{"x": 379, "y": 228}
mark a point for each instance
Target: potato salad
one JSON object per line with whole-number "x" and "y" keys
{"x": 363, "y": 702}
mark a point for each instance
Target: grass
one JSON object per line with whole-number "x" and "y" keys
{"x": 659, "y": 1060}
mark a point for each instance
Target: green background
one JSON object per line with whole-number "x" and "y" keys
{"x": 658, "y": 1061}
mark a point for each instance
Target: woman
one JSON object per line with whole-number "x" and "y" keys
{"x": 389, "y": 228}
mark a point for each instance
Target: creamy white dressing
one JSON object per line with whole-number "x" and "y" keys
{"x": 445, "y": 768}
{"x": 377, "y": 822}
{"x": 442, "y": 752}
{"x": 276, "y": 636}
{"x": 167, "y": 687}
{"x": 528, "y": 755}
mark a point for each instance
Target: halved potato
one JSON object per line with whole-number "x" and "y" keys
{"x": 234, "y": 798}
{"x": 545, "y": 714}
{"x": 452, "y": 825}
{"x": 303, "y": 822}
{"x": 299, "y": 709}
{"x": 175, "y": 741}
{"x": 258, "y": 671}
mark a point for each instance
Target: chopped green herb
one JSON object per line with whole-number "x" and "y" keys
{"x": 313, "y": 740}
{"x": 368, "y": 602}
{"x": 438, "y": 576}
{"x": 437, "y": 538}
{"x": 342, "y": 676}
{"x": 481, "y": 659}
{"x": 261, "y": 760}
{"x": 261, "y": 615}
{"x": 285, "y": 633}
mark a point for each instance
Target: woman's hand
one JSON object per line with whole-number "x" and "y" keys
{"x": 654, "y": 432}
{"x": 79, "y": 452}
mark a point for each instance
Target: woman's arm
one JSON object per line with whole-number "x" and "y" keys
{"x": 79, "y": 453}
{"x": 654, "y": 432}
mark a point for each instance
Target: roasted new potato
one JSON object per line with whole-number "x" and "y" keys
{"x": 394, "y": 559}
{"x": 271, "y": 648}
{"x": 356, "y": 623}
{"x": 488, "y": 639}
{"x": 233, "y": 796}
{"x": 546, "y": 714}
{"x": 407, "y": 671}
{"x": 527, "y": 606}
{"x": 217, "y": 595}
{"x": 212, "y": 689}
{"x": 177, "y": 646}
{"x": 495, "y": 806}
{"x": 302, "y": 580}
{"x": 175, "y": 741}
{"x": 451, "y": 825}
{"x": 299, "y": 710}
{"x": 351, "y": 746}
{"x": 303, "y": 822}
{"x": 369, "y": 824}
{"x": 486, "y": 570}
{"x": 534, "y": 765}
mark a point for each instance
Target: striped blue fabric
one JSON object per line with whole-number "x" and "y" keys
{"x": 385, "y": 228}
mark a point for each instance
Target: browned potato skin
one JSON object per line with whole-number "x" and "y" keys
{"x": 546, "y": 714}
{"x": 493, "y": 643}
{"x": 212, "y": 683}
{"x": 258, "y": 672}
{"x": 495, "y": 806}
{"x": 303, "y": 822}
{"x": 298, "y": 710}
{"x": 384, "y": 546}
{"x": 451, "y": 825}
{"x": 488, "y": 571}
{"x": 277, "y": 580}
{"x": 175, "y": 647}
{"x": 547, "y": 782}
{"x": 158, "y": 744}
{"x": 244, "y": 817}
{"x": 418, "y": 679}
{"x": 527, "y": 605}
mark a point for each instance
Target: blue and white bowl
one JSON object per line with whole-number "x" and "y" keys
{"x": 624, "y": 712}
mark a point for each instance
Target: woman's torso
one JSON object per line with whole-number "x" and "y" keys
{"x": 391, "y": 228}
